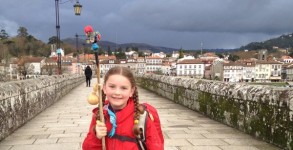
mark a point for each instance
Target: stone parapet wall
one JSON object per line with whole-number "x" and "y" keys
{"x": 20, "y": 101}
{"x": 265, "y": 112}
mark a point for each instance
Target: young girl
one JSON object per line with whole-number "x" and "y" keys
{"x": 122, "y": 111}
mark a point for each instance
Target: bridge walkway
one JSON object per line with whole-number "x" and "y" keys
{"x": 64, "y": 125}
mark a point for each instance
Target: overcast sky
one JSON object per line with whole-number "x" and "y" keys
{"x": 169, "y": 23}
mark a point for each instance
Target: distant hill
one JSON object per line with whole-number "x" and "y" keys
{"x": 283, "y": 41}
{"x": 112, "y": 45}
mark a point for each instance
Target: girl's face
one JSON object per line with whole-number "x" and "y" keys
{"x": 118, "y": 90}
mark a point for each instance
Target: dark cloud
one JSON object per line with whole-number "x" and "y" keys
{"x": 173, "y": 23}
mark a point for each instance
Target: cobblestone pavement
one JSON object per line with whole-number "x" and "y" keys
{"x": 64, "y": 125}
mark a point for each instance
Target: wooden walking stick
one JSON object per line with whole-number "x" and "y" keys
{"x": 96, "y": 96}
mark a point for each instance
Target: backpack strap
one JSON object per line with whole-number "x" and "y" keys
{"x": 142, "y": 124}
{"x": 141, "y": 145}
{"x": 140, "y": 139}
{"x": 124, "y": 138}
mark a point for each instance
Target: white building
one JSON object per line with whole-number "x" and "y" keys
{"x": 233, "y": 72}
{"x": 175, "y": 54}
{"x": 190, "y": 67}
{"x": 153, "y": 64}
{"x": 286, "y": 59}
{"x": 106, "y": 65}
{"x": 249, "y": 71}
{"x": 141, "y": 64}
{"x": 161, "y": 55}
{"x": 33, "y": 65}
{"x": 166, "y": 68}
{"x": 267, "y": 71}
{"x": 289, "y": 72}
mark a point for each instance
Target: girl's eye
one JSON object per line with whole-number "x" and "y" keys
{"x": 112, "y": 86}
{"x": 124, "y": 88}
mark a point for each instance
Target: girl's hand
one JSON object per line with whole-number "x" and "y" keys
{"x": 101, "y": 129}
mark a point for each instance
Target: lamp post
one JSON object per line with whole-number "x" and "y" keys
{"x": 77, "y": 10}
{"x": 83, "y": 52}
{"x": 77, "y": 50}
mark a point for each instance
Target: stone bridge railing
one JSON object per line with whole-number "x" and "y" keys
{"x": 262, "y": 111}
{"x": 20, "y": 101}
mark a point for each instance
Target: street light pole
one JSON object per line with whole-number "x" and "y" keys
{"x": 83, "y": 52}
{"x": 58, "y": 36}
{"x": 77, "y": 51}
{"x": 77, "y": 10}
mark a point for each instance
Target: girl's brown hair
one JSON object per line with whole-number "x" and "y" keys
{"x": 126, "y": 72}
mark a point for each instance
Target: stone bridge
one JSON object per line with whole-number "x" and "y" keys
{"x": 52, "y": 113}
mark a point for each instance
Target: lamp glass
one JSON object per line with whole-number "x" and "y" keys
{"x": 77, "y": 8}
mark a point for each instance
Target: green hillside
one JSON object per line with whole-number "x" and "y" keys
{"x": 284, "y": 42}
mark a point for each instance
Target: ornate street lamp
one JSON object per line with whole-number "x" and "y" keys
{"x": 77, "y": 10}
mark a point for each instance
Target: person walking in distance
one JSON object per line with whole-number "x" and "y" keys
{"x": 122, "y": 111}
{"x": 88, "y": 75}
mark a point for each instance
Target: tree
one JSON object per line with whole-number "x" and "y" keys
{"x": 181, "y": 53}
{"x": 233, "y": 57}
{"x": 101, "y": 51}
{"x": 109, "y": 51}
{"x": 140, "y": 54}
{"x": 135, "y": 49}
{"x": 3, "y": 35}
{"x": 220, "y": 55}
{"x": 119, "y": 50}
{"x": 53, "y": 40}
{"x": 291, "y": 54}
{"x": 120, "y": 54}
{"x": 22, "y": 32}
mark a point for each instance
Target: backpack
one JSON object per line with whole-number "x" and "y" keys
{"x": 153, "y": 114}
{"x": 141, "y": 139}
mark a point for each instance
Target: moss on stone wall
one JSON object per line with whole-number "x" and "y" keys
{"x": 23, "y": 100}
{"x": 233, "y": 108}
{"x": 291, "y": 142}
{"x": 179, "y": 94}
{"x": 202, "y": 103}
{"x": 222, "y": 107}
{"x": 257, "y": 112}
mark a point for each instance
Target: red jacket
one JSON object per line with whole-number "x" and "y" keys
{"x": 125, "y": 122}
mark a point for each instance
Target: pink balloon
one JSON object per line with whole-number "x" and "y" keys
{"x": 88, "y": 29}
